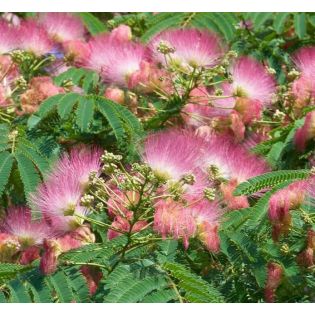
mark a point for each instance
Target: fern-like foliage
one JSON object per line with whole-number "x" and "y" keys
{"x": 64, "y": 286}
{"x": 269, "y": 180}
{"x": 195, "y": 289}
{"x": 20, "y": 155}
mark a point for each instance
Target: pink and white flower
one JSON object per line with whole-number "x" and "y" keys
{"x": 192, "y": 48}
{"x": 8, "y": 39}
{"x": 115, "y": 60}
{"x": 62, "y": 26}
{"x": 33, "y": 38}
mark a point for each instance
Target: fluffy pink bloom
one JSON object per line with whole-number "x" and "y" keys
{"x": 93, "y": 277}
{"x": 62, "y": 26}
{"x": 274, "y": 276}
{"x": 306, "y": 132}
{"x": 115, "y": 94}
{"x": 115, "y": 60}
{"x": 172, "y": 153}
{"x": 54, "y": 247}
{"x": 76, "y": 51}
{"x": 78, "y": 164}
{"x": 34, "y": 38}
{"x": 123, "y": 225}
{"x": 8, "y": 39}
{"x": 28, "y": 232}
{"x": 199, "y": 219}
{"x": 59, "y": 201}
{"x": 286, "y": 199}
{"x": 192, "y": 48}
{"x": 251, "y": 80}
{"x": 39, "y": 89}
{"x": 121, "y": 33}
{"x": 206, "y": 216}
{"x": 304, "y": 87}
{"x": 230, "y": 160}
{"x": 172, "y": 219}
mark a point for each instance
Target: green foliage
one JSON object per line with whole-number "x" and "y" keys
{"x": 64, "y": 286}
{"x": 269, "y": 180}
{"x": 92, "y": 23}
{"x": 196, "y": 289}
{"x": 223, "y": 23}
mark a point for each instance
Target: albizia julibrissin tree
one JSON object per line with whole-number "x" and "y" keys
{"x": 157, "y": 157}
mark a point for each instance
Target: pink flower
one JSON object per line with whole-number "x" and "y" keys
{"x": 206, "y": 215}
{"x": 59, "y": 202}
{"x": 230, "y": 160}
{"x": 8, "y": 39}
{"x": 197, "y": 219}
{"x": 34, "y": 38}
{"x": 191, "y": 48}
{"x": 121, "y": 33}
{"x": 172, "y": 219}
{"x": 115, "y": 94}
{"x": 115, "y": 60}
{"x": 54, "y": 247}
{"x": 79, "y": 164}
{"x": 28, "y": 232}
{"x": 306, "y": 132}
{"x": 93, "y": 277}
{"x": 40, "y": 88}
{"x": 62, "y": 26}
{"x": 304, "y": 87}
{"x": 172, "y": 153}
{"x": 123, "y": 225}
{"x": 274, "y": 276}
{"x": 286, "y": 199}
{"x": 76, "y": 51}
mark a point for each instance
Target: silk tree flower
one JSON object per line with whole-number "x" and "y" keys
{"x": 189, "y": 48}
{"x": 34, "y": 39}
{"x": 55, "y": 246}
{"x": 62, "y": 26}
{"x": 172, "y": 154}
{"x": 250, "y": 92}
{"x": 115, "y": 94}
{"x": 228, "y": 164}
{"x": 274, "y": 276}
{"x": 303, "y": 88}
{"x": 122, "y": 33}
{"x": 28, "y": 232}
{"x": 115, "y": 60}
{"x": 59, "y": 202}
{"x": 39, "y": 89}
{"x": 306, "y": 132}
{"x": 8, "y": 39}
{"x": 171, "y": 218}
{"x": 206, "y": 216}
{"x": 78, "y": 164}
{"x": 76, "y": 51}
{"x": 198, "y": 219}
{"x": 306, "y": 257}
{"x": 199, "y": 111}
{"x": 282, "y": 202}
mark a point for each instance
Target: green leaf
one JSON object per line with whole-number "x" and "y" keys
{"x": 84, "y": 113}
{"x": 6, "y": 162}
{"x": 92, "y": 23}
{"x": 197, "y": 289}
{"x": 48, "y": 105}
{"x": 300, "y": 24}
{"x": 66, "y": 104}
{"x": 279, "y": 21}
{"x": 269, "y": 180}
{"x": 28, "y": 173}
